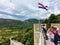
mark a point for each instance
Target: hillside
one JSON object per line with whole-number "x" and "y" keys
{"x": 22, "y": 30}
{"x": 13, "y": 24}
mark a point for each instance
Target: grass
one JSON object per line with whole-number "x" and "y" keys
{"x": 6, "y": 34}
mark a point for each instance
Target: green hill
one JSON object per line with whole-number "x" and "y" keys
{"x": 13, "y": 24}
{"x": 22, "y": 30}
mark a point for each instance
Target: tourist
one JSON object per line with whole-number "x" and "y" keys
{"x": 50, "y": 35}
{"x": 44, "y": 30}
{"x": 56, "y": 36}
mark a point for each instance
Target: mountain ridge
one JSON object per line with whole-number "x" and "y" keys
{"x": 10, "y": 23}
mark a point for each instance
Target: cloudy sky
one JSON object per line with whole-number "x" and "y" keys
{"x": 25, "y": 9}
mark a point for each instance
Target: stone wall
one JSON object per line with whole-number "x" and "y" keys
{"x": 38, "y": 37}
{"x": 57, "y": 25}
{"x": 13, "y": 42}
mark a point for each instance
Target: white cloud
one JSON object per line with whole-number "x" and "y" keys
{"x": 29, "y": 8}
{"x": 6, "y": 4}
{"x": 6, "y": 16}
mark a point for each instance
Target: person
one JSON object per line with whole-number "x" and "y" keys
{"x": 56, "y": 33}
{"x": 56, "y": 36}
{"x": 50, "y": 35}
{"x": 44, "y": 30}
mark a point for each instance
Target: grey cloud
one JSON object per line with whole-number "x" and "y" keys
{"x": 25, "y": 9}
{"x": 14, "y": 15}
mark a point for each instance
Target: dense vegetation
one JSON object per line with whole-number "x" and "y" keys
{"x": 22, "y": 31}
{"x": 52, "y": 19}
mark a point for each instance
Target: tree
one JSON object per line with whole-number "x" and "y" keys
{"x": 53, "y": 18}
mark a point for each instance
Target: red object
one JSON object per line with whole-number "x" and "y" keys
{"x": 51, "y": 33}
{"x": 40, "y": 4}
{"x": 58, "y": 31}
{"x": 46, "y": 6}
{"x": 52, "y": 43}
{"x": 55, "y": 31}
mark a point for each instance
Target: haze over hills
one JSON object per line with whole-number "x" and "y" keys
{"x": 10, "y": 23}
{"x": 23, "y": 30}
{"x": 18, "y": 24}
